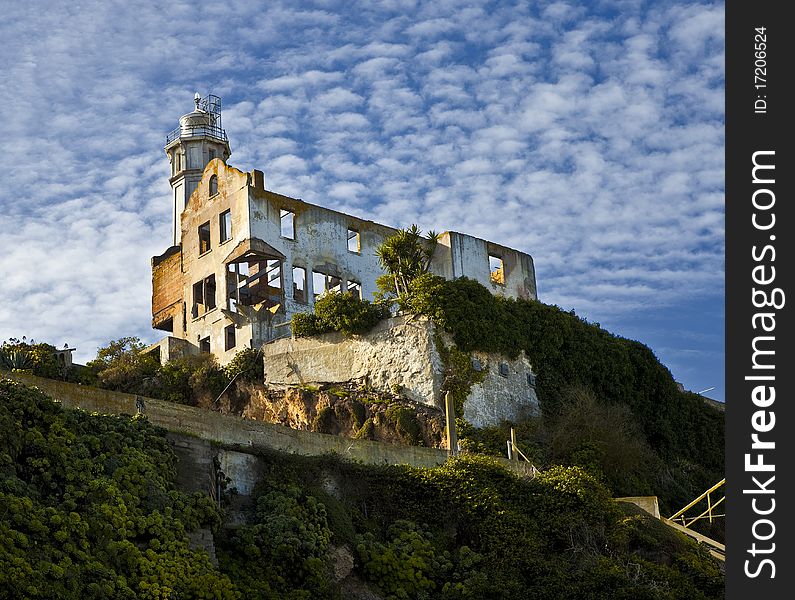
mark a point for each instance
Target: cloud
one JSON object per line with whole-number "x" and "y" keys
{"x": 591, "y": 138}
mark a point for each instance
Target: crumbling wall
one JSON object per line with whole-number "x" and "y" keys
{"x": 167, "y": 289}
{"x": 460, "y": 255}
{"x": 507, "y": 392}
{"x": 398, "y": 353}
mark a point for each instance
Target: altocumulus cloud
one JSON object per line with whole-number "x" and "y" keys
{"x": 589, "y": 136}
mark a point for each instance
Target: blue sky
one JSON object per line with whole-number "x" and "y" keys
{"x": 587, "y": 134}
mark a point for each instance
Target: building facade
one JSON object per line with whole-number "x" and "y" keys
{"x": 244, "y": 259}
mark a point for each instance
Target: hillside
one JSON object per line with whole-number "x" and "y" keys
{"x": 91, "y": 510}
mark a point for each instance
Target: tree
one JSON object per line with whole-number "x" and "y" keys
{"x": 405, "y": 256}
{"x": 122, "y": 366}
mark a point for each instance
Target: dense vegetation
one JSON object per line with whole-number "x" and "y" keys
{"x": 344, "y": 312}
{"x": 37, "y": 358}
{"x": 586, "y": 375}
{"x": 468, "y": 529}
{"x": 90, "y": 511}
{"x": 88, "y": 508}
{"x": 196, "y": 380}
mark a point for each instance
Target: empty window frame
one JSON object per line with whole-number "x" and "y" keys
{"x": 229, "y": 337}
{"x": 236, "y": 288}
{"x": 273, "y": 275}
{"x": 355, "y": 288}
{"x": 204, "y": 237}
{"x": 497, "y": 269}
{"x": 204, "y": 345}
{"x": 287, "y": 219}
{"x": 225, "y": 226}
{"x": 299, "y": 284}
{"x": 203, "y": 296}
{"x": 254, "y": 282}
{"x": 354, "y": 241}
{"x": 323, "y": 282}
{"x": 213, "y": 185}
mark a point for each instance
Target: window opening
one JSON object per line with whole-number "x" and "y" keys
{"x": 213, "y": 185}
{"x": 323, "y": 282}
{"x": 204, "y": 237}
{"x": 254, "y": 282}
{"x": 273, "y": 274}
{"x": 299, "y": 284}
{"x": 204, "y": 345}
{"x": 355, "y": 288}
{"x": 287, "y": 218}
{"x": 203, "y": 296}
{"x": 497, "y": 269}
{"x": 354, "y": 241}
{"x": 229, "y": 337}
{"x": 225, "y": 225}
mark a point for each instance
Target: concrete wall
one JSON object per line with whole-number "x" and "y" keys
{"x": 461, "y": 255}
{"x": 235, "y": 431}
{"x": 505, "y": 394}
{"x": 202, "y": 207}
{"x": 402, "y": 352}
{"x": 320, "y": 244}
{"x": 397, "y": 352}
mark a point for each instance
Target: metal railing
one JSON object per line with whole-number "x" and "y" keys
{"x": 680, "y": 517}
{"x": 190, "y": 131}
{"x": 514, "y": 453}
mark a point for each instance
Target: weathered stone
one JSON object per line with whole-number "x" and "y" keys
{"x": 402, "y": 352}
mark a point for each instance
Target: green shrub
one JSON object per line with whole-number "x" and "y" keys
{"x": 285, "y": 551}
{"x": 248, "y": 363}
{"x": 343, "y": 312}
{"x": 37, "y": 358}
{"x": 191, "y": 379}
{"x": 90, "y": 509}
{"x": 406, "y": 424}
{"x": 405, "y": 566}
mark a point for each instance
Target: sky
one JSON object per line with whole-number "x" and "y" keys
{"x": 587, "y": 134}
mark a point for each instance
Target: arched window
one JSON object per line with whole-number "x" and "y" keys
{"x": 213, "y": 185}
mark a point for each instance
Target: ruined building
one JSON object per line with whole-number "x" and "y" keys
{"x": 244, "y": 259}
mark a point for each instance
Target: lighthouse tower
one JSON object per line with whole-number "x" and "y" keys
{"x": 199, "y": 139}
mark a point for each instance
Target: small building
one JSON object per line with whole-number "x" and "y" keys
{"x": 244, "y": 259}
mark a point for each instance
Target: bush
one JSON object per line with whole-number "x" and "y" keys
{"x": 344, "y": 312}
{"x": 121, "y": 366}
{"x": 192, "y": 379}
{"x": 39, "y": 359}
{"x": 90, "y": 509}
{"x": 248, "y": 362}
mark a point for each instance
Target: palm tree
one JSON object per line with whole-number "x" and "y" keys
{"x": 406, "y": 255}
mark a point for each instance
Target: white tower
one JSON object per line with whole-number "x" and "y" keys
{"x": 199, "y": 139}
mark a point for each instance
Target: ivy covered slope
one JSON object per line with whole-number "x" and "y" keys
{"x": 88, "y": 508}
{"x": 466, "y": 530}
{"x": 567, "y": 352}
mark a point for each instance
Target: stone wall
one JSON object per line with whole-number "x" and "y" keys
{"x": 402, "y": 353}
{"x": 398, "y": 352}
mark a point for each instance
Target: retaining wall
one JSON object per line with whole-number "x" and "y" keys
{"x": 238, "y": 432}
